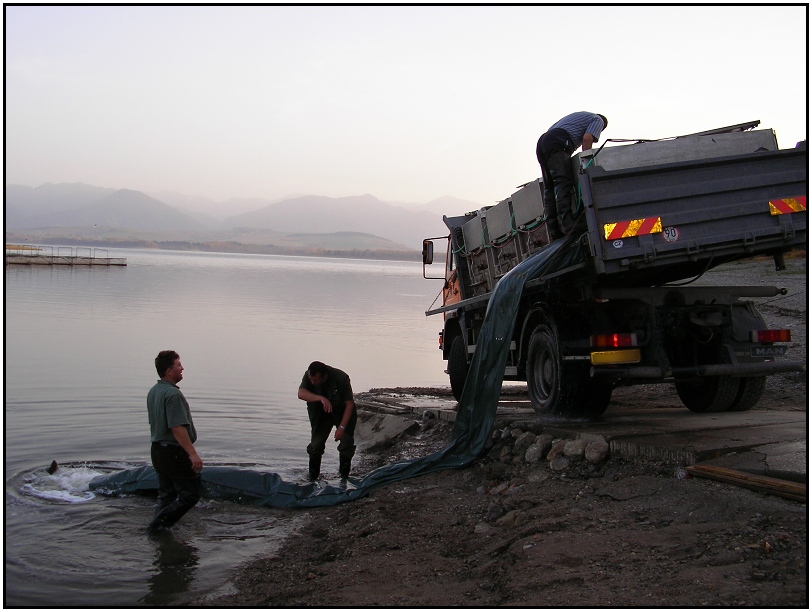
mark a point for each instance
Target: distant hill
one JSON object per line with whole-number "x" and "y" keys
{"x": 126, "y": 208}
{"x": 123, "y": 208}
{"x": 365, "y": 213}
{"x": 34, "y": 205}
{"x": 80, "y": 212}
{"x": 211, "y": 211}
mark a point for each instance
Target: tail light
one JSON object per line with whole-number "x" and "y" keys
{"x": 767, "y": 336}
{"x": 613, "y": 340}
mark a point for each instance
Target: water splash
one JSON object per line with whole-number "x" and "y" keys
{"x": 68, "y": 483}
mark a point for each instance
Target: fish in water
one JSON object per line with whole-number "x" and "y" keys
{"x": 53, "y": 467}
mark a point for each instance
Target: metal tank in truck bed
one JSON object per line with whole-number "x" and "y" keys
{"x": 613, "y": 306}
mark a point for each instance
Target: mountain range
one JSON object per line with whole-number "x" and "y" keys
{"x": 354, "y": 222}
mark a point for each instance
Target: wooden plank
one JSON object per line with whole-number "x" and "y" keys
{"x": 765, "y": 484}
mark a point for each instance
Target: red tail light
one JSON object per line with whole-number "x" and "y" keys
{"x": 766, "y": 336}
{"x": 613, "y": 340}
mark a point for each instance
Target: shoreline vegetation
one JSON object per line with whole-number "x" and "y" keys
{"x": 219, "y": 246}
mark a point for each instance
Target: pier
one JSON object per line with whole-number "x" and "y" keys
{"x": 28, "y": 255}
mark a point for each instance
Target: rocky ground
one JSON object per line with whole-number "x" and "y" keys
{"x": 539, "y": 528}
{"x": 534, "y": 523}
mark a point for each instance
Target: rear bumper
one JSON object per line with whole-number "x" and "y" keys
{"x": 743, "y": 369}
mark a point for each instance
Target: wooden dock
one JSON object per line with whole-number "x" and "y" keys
{"x": 30, "y": 255}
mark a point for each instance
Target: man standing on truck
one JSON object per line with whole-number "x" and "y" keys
{"x": 553, "y": 151}
{"x": 328, "y": 394}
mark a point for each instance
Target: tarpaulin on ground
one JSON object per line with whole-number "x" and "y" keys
{"x": 475, "y": 417}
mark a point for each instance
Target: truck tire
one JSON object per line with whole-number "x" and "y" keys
{"x": 556, "y": 389}
{"x": 544, "y": 371}
{"x": 750, "y": 388}
{"x": 750, "y": 391}
{"x": 709, "y": 394}
{"x": 457, "y": 366}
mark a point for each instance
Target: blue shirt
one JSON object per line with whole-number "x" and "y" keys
{"x": 578, "y": 124}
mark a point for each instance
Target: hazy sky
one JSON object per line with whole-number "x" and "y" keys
{"x": 406, "y": 103}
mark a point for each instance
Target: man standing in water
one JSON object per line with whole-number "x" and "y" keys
{"x": 173, "y": 434}
{"x": 328, "y": 394}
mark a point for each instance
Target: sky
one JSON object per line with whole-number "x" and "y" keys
{"x": 406, "y": 103}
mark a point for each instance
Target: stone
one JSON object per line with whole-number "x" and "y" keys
{"x": 575, "y": 448}
{"x": 516, "y": 432}
{"x": 500, "y": 488}
{"x": 509, "y": 519}
{"x": 556, "y": 450}
{"x": 534, "y": 453}
{"x": 596, "y": 451}
{"x": 506, "y": 454}
{"x": 540, "y": 447}
{"x": 494, "y": 512}
{"x": 482, "y": 527}
{"x": 559, "y": 463}
{"x": 537, "y": 476}
{"x": 523, "y": 442}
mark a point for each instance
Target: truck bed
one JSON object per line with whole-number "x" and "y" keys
{"x": 660, "y": 223}
{"x": 655, "y": 213}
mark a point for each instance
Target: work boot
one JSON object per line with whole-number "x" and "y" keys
{"x": 344, "y": 467}
{"x": 315, "y": 467}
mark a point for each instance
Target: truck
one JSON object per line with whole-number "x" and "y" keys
{"x": 615, "y": 305}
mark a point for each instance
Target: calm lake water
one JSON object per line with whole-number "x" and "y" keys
{"x": 80, "y": 344}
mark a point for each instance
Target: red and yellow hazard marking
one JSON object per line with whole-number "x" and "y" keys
{"x": 635, "y": 227}
{"x": 786, "y": 206}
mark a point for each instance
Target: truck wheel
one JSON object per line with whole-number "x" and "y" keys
{"x": 556, "y": 389}
{"x": 710, "y": 394}
{"x": 544, "y": 372}
{"x": 457, "y": 366}
{"x": 750, "y": 391}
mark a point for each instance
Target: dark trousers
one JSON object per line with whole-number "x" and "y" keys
{"x": 553, "y": 152}
{"x": 321, "y": 424}
{"x": 178, "y": 484}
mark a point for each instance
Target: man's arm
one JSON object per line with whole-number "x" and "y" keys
{"x": 309, "y": 396}
{"x": 589, "y": 139}
{"x": 182, "y": 436}
{"x": 349, "y": 408}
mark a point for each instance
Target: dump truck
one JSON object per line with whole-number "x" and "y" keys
{"x": 614, "y": 305}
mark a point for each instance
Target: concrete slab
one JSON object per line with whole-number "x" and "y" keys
{"x": 377, "y": 428}
{"x": 767, "y": 442}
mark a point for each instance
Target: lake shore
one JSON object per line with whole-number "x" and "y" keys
{"x": 508, "y": 532}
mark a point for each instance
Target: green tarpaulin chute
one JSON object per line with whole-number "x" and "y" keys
{"x": 475, "y": 417}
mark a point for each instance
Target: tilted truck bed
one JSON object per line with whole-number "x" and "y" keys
{"x": 660, "y": 223}
{"x": 655, "y": 213}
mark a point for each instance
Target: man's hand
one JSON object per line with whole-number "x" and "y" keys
{"x": 326, "y": 405}
{"x": 197, "y": 462}
{"x": 339, "y": 433}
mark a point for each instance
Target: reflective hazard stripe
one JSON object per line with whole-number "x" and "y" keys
{"x": 786, "y": 206}
{"x": 635, "y": 227}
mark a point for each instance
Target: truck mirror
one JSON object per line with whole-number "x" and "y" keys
{"x": 428, "y": 252}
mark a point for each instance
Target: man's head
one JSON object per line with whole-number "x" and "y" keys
{"x": 605, "y": 121}
{"x": 168, "y": 365}
{"x": 317, "y": 373}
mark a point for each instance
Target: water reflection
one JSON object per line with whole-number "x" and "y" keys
{"x": 174, "y": 567}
